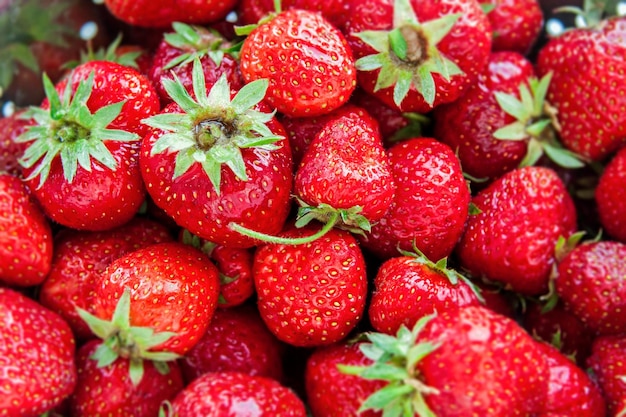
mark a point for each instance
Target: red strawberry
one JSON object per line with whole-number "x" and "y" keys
{"x": 610, "y": 197}
{"x": 608, "y": 366}
{"x": 37, "y": 369}
{"x": 516, "y": 24}
{"x": 108, "y": 390}
{"x": 430, "y": 204}
{"x": 320, "y": 73}
{"x": 585, "y": 91}
{"x": 26, "y": 249}
{"x": 415, "y": 55}
{"x": 311, "y": 294}
{"x": 11, "y": 151}
{"x": 217, "y": 159}
{"x": 512, "y": 239}
{"x": 232, "y": 394}
{"x": 82, "y": 164}
{"x": 79, "y": 259}
{"x": 237, "y": 340}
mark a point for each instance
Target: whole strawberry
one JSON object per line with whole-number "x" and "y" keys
{"x": 610, "y": 197}
{"x": 607, "y": 364}
{"x": 516, "y": 24}
{"x": 37, "y": 369}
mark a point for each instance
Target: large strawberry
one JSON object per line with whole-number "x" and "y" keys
{"x": 516, "y": 24}
{"x": 608, "y": 366}
{"x": 82, "y": 164}
{"x": 610, "y": 197}
{"x": 26, "y": 249}
{"x": 37, "y": 369}
{"x": 416, "y": 55}
{"x": 218, "y": 158}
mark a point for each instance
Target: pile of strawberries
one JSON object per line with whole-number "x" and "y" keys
{"x": 335, "y": 209}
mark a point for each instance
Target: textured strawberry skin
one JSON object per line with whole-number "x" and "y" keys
{"x": 607, "y": 363}
{"x": 610, "y": 197}
{"x": 10, "y": 151}
{"x": 516, "y": 24}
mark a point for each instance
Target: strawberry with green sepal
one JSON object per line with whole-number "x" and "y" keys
{"x": 607, "y": 364}
{"x": 610, "y": 197}
{"x": 26, "y": 250}
{"x": 516, "y": 24}
{"x": 37, "y": 369}
{"x": 417, "y": 55}
{"x": 217, "y": 159}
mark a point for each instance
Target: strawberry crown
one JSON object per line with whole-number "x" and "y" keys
{"x": 128, "y": 59}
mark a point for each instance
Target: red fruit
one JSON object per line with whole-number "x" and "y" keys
{"x": 26, "y": 249}
{"x": 590, "y": 285}
{"x": 108, "y": 390}
{"x": 237, "y": 340}
{"x": 311, "y": 294}
{"x": 610, "y": 197}
{"x": 430, "y": 205}
{"x": 11, "y": 151}
{"x": 512, "y": 239}
{"x": 608, "y": 366}
{"x": 516, "y": 24}
{"x": 321, "y": 74}
{"x": 37, "y": 368}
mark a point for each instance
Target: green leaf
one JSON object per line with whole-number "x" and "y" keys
{"x": 377, "y": 39}
{"x": 387, "y": 343}
{"x": 533, "y": 153}
{"x": 231, "y": 156}
{"x": 101, "y": 153}
{"x": 104, "y": 355}
{"x": 105, "y": 115}
{"x": 115, "y": 135}
{"x": 398, "y": 43}
{"x": 540, "y": 90}
{"x": 245, "y": 30}
{"x": 250, "y": 95}
{"x": 371, "y": 62}
{"x": 188, "y": 33}
{"x": 56, "y": 109}
{"x": 562, "y": 157}
{"x": 403, "y": 13}
{"x": 512, "y": 106}
{"x": 160, "y": 356}
{"x": 167, "y": 121}
{"x": 425, "y": 84}
{"x": 402, "y": 87}
{"x": 199, "y": 82}
{"x": 21, "y": 53}
{"x": 179, "y": 94}
{"x": 184, "y": 160}
{"x": 487, "y": 7}
{"x": 387, "y": 77}
{"x": 161, "y": 367}
{"x": 101, "y": 328}
{"x": 219, "y": 96}
{"x": 385, "y": 372}
{"x": 214, "y": 171}
{"x": 418, "y": 352}
{"x": 121, "y": 315}
{"x": 69, "y": 161}
{"x": 381, "y": 398}
{"x": 437, "y": 29}
{"x": 513, "y": 131}
{"x": 136, "y": 371}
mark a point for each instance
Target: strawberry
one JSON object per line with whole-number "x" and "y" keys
{"x": 607, "y": 364}
{"x": 217, "y": 159}
{"x": 516, "y": 24}
{"x": 80, "y": 257}
{"x": 11, "y": 127}
{"x": 610, "y": 197}
{"x": 415, "y": 55}
{"x": 37, "y": 369}
{"x": 586, "y": 66}
{"x": 237, "y": 340}
{"x": 233, "y": 394}
{"x": 590, "y": 285}
{"x": 321, "y": 74}
{"x": 26, "y": 250}
{"x": 430, "y": 204}
{"x": 311, "y": 294}
{"x": 82, "y": 163}
{"x": 109, "y": 391}
{"x": 512, "y": 239}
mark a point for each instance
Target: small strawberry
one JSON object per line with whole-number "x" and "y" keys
{"x": 306, "y": 60}
{"x": 608, "y": 367}
{"x": 11, "y": 127}
{"x": 516, "y": 24}
{"x": 610, "y": 197}
{"x": 37, "y": 369}
{"x": 26, "y": 249}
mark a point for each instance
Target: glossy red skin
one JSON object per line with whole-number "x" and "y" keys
{"x": 79, "y": 259}
{"x": 468, "y": 124}
{"x": 10, "y": 151}
{"x": 335, "y": 11}
{"x": 405, "y": 291}
{"x": 236, "y": 280}
{"x": 516, "y": 24}
{"x": 607, "y": 363}
{"x": 37, "y": 368}
{"x": 321, "y": 73}
{"x": 512, "y": 240}
{"x": 486, "y": 364}
{"x": 174, "y": 288}
{"x": 430, "y": 204}
{"x": 584, "y": 63}
{"x": 262, "y": 203}
{"x": 346, "y": 166}
{"x": 237, "y": 340}
{"x": 610, "y": 197}
{"x": 311, "y": 294}
{"x": 590, "y": 285}
{"x": 468, "y": 45}
{"x": 109, "y": 390}
{"x": 26, "y": 249}
{"x": 330, "y": 392}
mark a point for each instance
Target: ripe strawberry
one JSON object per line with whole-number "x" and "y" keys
{"x": 82, "y": 164}
{"x": 415, "y": 55}
{"x": 26, "y": 249}
{"x": 79, "y": 259}
{"x": 233, "y": 394}
{"x": 590, "y": 285}
{"x": 516, "y": 24}
{"x": 320, "y": 72}
{"x": 237, "y": 340}
{"x": 586, "y": 64}
{"x": 512, "y": 239}
{"x": 311, "y": 294}
{"x": 430, "y": 204}
{"x": 610, "y": 197}
{"x": 37, "y": 369}
{"x": 608, "y": 366}
{"x": 11, "y": 151}
{"x": 109, "y": 391}
{"x": 217, "y": 159}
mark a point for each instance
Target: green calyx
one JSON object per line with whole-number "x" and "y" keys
{"x": 109, "y": 54}
{"x": 592, "y": 13}
{"x": 408, "y": 55}
{"x": 68, "y": 129}
{"x": 536, "y": 123}
{"x": 395, "y": 361}
{"x": 120, "y": 339}
{"x": 213, "y": 128}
